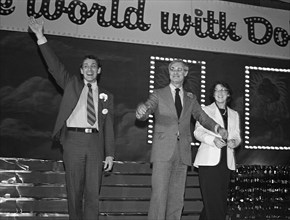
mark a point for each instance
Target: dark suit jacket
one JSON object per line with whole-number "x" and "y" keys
{"x": 72, "y": 87}
{"x": 168, "y": 127}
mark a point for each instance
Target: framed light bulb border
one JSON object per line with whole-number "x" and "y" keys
{"x": 153, "y": 60}
{"x": 248, "y": 107}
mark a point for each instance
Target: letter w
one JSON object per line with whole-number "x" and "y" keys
{"x": 175, "y": 23}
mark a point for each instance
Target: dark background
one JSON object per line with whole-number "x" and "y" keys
{"x": 30, "y": 99}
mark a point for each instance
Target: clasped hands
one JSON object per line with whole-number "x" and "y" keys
{"x": 222, "y": 142}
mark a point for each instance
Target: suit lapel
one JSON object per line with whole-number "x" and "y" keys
{"x": 101, "y": 106}
{"x": 77, "y": 90}
{"x": 79, "y": 87}
{"x": 230, "y": 119}
{"x": 186, "y": 103}
{"x": 167, "y": 95}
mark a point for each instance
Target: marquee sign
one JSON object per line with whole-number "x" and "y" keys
{"x": 201, "y": 25}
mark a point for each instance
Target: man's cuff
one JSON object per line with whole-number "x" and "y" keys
{"x": 41, "y": 40}
{"x": 138, "y": 116}
{"x": 110, "y": 157}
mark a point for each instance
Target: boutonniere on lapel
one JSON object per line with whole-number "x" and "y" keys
{"x": 103, "y": 96}
{"x": 105, "y": 111}
{"x": 189, "y": 94}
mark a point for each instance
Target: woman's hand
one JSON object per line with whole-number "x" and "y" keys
{"x": 219, "y": 142}
{"x": 232, "y": 143}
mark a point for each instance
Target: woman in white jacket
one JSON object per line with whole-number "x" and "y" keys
{"x": 215, "y": 157}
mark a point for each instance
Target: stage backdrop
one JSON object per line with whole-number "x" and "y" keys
{"x": 134, "y": 62}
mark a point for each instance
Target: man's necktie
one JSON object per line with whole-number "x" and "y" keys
{"x": 91, "y": 114}
{"x": 178, "y": 104}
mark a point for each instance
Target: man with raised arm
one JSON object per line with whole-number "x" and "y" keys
{"x": 84, "y": 126}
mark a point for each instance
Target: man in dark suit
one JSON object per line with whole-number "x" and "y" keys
{"x": 171, "y": 148}
{"x": 84, "y": 127}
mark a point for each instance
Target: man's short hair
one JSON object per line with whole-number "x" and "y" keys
{"x": 185, "y": 66}
{"x": 92, "y": 57}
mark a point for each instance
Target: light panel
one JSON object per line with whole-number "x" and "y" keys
{"x": 153, "y": 60}
{"x": 248, "y": 70}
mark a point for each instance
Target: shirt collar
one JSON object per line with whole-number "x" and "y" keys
{"x": 172, "y": 87}
{"x": 94, "y": 84}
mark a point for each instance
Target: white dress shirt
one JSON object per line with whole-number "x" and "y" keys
{"x": 172, "y": 88}
{"x": 78, "y": 117}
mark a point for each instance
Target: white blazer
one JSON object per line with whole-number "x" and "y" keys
{"x": 208, "y": 154}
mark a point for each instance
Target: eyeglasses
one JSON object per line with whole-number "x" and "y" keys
{"x": 221, "y": 90}
{"x": 179, "y": 69}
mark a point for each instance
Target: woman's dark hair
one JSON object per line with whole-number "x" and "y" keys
{"x": 224, "y": 84}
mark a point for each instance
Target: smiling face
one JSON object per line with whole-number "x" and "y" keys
{"x": 90, "y": 70}
{"x": 177, "y": 72}
{"x": 221, "y": 94}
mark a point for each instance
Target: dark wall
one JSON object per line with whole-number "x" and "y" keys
{"x": 30, "y": 98}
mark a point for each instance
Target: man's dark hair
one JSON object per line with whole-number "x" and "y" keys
{"x": 92, "y": 57}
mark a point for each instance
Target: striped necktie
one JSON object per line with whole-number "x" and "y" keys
{"x": 91, "y": 114}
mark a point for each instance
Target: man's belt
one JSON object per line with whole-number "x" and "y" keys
{"x": 84, "y": 130}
